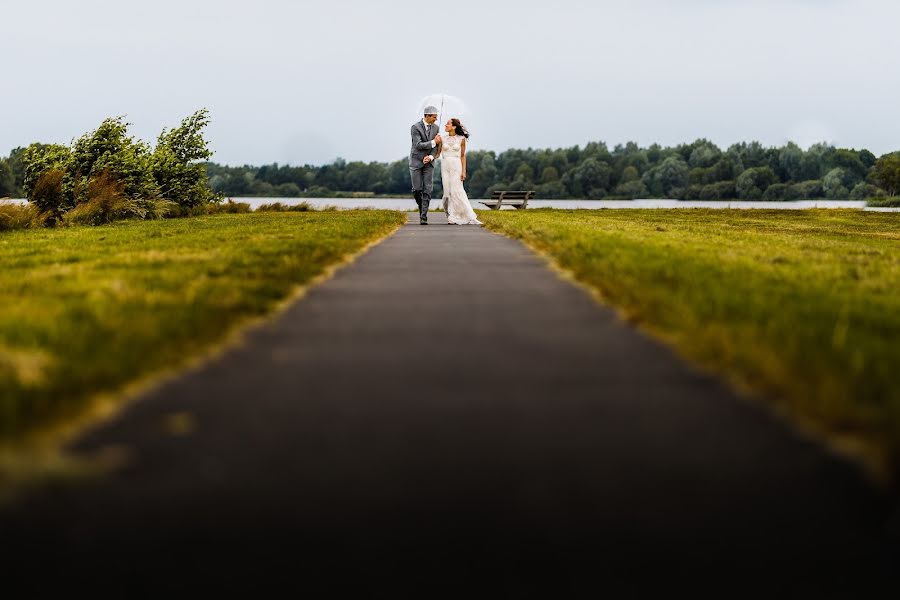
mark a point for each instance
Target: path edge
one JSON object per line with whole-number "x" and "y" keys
{"x": 41, "y": 458}
{"x": 867, "y": 458}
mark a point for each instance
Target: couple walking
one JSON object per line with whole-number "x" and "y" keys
{"x": 427, "y": 145}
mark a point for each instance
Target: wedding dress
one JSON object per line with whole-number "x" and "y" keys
{"x": 456, "y": 202}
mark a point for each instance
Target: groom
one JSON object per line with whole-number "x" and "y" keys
{"x": 425, "y": 150}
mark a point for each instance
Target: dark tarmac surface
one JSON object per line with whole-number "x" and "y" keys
{"x": 448, "y": 417}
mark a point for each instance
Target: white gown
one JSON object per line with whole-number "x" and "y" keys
{"x": 456, "y": 202}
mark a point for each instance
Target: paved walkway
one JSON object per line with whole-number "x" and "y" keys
{"x": 446, "y": 410}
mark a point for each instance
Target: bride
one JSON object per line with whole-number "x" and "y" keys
{"x": 453, "y": 174}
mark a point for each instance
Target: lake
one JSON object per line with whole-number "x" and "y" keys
{"x": 410, "y": 205}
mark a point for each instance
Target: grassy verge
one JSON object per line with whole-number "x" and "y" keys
{"x": 884, "y": 202}
{"x": 86, "y": 310}
{"x": 802, "y": 306}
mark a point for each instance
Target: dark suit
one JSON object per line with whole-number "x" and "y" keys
{"x": 421, "y": 174}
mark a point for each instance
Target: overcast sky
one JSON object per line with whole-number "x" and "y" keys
{"x": 307, "y": 81}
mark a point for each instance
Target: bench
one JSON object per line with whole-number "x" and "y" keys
{"x": 519, "y": 199}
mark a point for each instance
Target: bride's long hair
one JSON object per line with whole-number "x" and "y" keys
{"x": 460, "y": 130}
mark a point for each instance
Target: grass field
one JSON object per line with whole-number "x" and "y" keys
{"x": 85, "y": 310}
{"x": 802, "y": 306}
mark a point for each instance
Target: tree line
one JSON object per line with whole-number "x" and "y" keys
{"x": 696, "y": 171}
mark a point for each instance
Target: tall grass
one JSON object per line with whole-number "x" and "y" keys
{"x": 18, "y": 216}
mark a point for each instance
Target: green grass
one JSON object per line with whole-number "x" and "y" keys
{"x": 86, "y": 310}
{"x": 803, "y": 306}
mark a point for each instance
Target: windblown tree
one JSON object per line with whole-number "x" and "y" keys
{"x": 119, "y": 176}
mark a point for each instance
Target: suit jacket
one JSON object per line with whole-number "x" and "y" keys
{"x": 421, "y": 144}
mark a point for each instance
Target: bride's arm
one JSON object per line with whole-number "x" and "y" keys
{"x": 462, "y": 159}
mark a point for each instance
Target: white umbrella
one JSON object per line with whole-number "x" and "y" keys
{"x": 448, "y": 107}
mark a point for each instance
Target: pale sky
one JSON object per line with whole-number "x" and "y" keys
{"x": 308, "y": 81}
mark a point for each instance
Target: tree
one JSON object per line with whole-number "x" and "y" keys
{"x": 7, "y": 180}
{"x": 591, "y": 179}
{"x": 790, "y": 162}
{"x": 670, "y": 175}
{"x": 110, "y": 150}
{"x": 175, "y": 163}
{"x": 705, "y": 154}
{"x": 886, "y": 173}
{"x": 834, "y": 184}
{"x": 753, "y": 182}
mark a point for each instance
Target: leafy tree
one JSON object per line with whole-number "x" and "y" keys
{"x": 632, "y": 189}
{"x": 705, "y": 154}
{"x": 805, "y": 190}
{"x": 862, "y": 191}
{"x": 109, "y": 149}
{"x": 39, "y": 158}
{"x": 776, "y": 191}
{"x": 671, "y": 174}
{"x": 722, "y": 190}
{"x": 751, "y": 184}
{"x": 833, "y": 184}
{"x": 591, "y": 178}
{"x": 7, "y": 179}
{"x": 886, "y": 173}
{"x": 790, "y": 162}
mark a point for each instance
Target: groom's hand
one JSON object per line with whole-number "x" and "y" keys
{"x": 438, "y": 139}
{"x": 427, "y": 159}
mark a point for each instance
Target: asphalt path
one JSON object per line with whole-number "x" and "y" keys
{"x": 446, "y": 416}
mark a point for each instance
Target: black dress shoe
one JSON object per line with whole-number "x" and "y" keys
{"x": 423, "y": 222}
